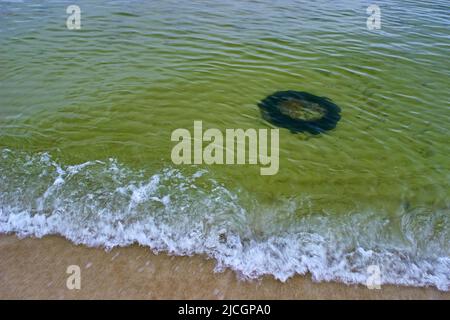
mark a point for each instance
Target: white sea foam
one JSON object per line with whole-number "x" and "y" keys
{"x": 106, "y": 204}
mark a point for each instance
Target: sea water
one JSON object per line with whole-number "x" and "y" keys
{"x": 86, "y": 117}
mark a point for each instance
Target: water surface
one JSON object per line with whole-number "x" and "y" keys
{"x": 86, "y": 117}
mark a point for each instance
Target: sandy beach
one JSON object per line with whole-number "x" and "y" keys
{"x": 33, "y": 268}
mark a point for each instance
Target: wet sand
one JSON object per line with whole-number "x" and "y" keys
{"x": 33, "y": 268}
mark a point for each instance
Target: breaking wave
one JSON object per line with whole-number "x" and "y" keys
{"x": 104, "y": 203}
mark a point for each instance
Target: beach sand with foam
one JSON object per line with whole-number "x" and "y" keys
{"x": 34, "y": 268}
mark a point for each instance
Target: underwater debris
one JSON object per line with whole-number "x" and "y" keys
{"x": 300, "y": 112}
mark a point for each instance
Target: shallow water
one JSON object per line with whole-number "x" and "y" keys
{"x": 86, "y": 117}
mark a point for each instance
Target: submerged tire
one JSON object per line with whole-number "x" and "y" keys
{"x": 300, "y": 112}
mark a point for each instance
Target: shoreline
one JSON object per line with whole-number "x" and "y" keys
{"x": 35, "y": 268}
